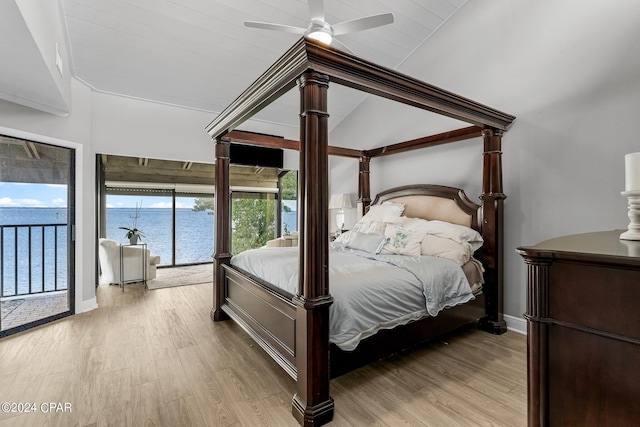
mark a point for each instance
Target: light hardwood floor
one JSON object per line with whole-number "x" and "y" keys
{"x": 154, "y": 358}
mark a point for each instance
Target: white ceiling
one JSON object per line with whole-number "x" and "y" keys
{"x": 198, "y": 53}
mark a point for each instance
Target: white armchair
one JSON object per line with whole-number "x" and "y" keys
{"x": 109, "y": 257}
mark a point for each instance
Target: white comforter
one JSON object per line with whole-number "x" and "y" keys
{"x": 370, "y": 292}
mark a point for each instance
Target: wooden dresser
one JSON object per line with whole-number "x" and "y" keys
{"x": 583, "y": 325}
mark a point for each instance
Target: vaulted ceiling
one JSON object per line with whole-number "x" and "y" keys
{"x": 190, "y": 53}
{"x": 198, "y": 54}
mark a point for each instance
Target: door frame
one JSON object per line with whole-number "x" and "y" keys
{"x": 75, "y": 237}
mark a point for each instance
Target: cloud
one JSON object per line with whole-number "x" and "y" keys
{"x": 59, "y": 202}
{"x": 161, "y": 205}
{"x": 32, "y": 203}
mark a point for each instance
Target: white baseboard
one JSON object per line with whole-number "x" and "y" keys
{"x": 88, "y": 305}
{"x": 516, "y": 324}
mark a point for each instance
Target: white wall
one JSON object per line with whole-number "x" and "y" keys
{"x": 29, "y": 34}
{"x": 132, "y": 127}
{"x": 73, "y": 132}
{"x": 46, "y": 27}
{"x": 570, "y": 71}
{"x": 138, "y": 128}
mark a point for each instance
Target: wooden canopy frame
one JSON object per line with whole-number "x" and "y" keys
{"x": 312, "y": 67}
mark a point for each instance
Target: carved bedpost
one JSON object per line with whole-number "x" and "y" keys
{"x": 312, "y": 405}
{"x": 493, "y": 231}
{"x": 364, "y": 185}
{"x": 222, "y": 254}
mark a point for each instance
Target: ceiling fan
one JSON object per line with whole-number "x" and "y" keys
{"x": 321, "y": 30}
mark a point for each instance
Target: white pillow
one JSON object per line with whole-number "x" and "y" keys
{"x": 374, "y": 227}
{"x": 455, "y": 232}
{"x": 410, "y": 223}
{"x": 401, "y": 241}
{"x": 442, "y": 247}
{"x": 382, "y": 211}
{"x": 345, "y": 237}
{"x": 458, "y": 233}
{"x": 374, "y": 221}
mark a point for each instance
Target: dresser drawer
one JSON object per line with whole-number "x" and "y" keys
{"x": 598, "y": 297}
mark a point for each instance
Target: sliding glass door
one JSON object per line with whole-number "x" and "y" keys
{"x": 36, "y": 233}
{"x": 194, "y": 229}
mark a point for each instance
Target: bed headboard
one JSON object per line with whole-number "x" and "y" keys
{"x": 434, "y": 202}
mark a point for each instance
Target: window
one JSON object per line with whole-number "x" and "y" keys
{"x": 253, "y": 219}
{"x": 173, "y": 225}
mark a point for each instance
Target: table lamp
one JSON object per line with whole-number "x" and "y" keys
{"x": 340, "y": 201}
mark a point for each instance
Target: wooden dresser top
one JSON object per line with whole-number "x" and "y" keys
{"x": 602, "y": 246}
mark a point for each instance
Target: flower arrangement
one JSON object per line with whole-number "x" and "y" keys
{"x": 132, "y": 232}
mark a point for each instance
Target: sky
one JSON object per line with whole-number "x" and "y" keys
{"x": 32, "y": 195}
{"x": 55, "y": 196}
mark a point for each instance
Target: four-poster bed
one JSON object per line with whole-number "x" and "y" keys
{"x": 294, "y": 330}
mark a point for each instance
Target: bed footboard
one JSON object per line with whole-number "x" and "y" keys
{"x": 269, "y": 318}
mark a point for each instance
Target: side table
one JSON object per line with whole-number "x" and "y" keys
{"x": 143, "y": 257}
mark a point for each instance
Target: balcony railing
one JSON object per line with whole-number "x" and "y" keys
{"x": 33, "y": 259}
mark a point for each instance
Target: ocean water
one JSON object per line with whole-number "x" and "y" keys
{"x": 41, "y": 250}
{"x": 194, "y": 232}
{"x": 194, "y": 241}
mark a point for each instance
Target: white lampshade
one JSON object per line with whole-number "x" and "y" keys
{"x": 340, "y": 201}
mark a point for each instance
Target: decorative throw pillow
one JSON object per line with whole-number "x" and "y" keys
{"x": 370, "y": 243}
{"x": 401, "y": 241}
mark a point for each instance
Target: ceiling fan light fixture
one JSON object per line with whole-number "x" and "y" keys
{"x": 320, "y": 32}
{"x": 321, "y": 36}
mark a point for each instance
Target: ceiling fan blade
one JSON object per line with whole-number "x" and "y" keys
{"x": 316, "y": 10}
{"x": 274, "y": 27}
{"x": 360, "y": 24}
{"x": 342, "y": 45}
